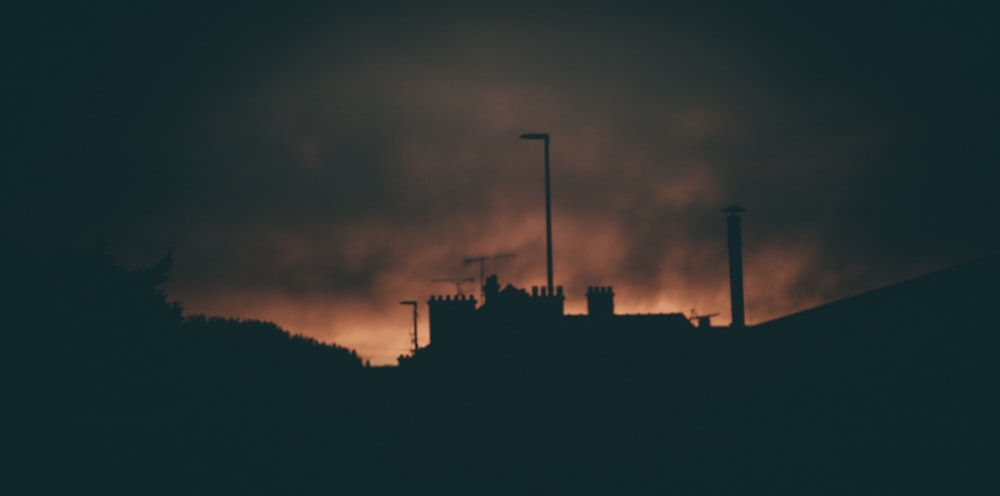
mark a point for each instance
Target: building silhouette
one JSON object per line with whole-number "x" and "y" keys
{"x": 513, "y": 322}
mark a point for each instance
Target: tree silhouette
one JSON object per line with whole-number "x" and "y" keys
{"x": 111, "y": 387}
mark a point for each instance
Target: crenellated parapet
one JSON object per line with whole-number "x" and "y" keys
{"x": 543, "y": 292}
{"x": 449, "y": 317}
{"x": 600, "y": 301}
{"x": 511, "y": 305}
{"x": 543, "y": 304}
{"x": 458, "y": 299}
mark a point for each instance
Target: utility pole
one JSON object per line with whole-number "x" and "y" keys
{"x": 416, "y": 346}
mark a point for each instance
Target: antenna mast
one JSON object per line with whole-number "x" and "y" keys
{"x": 416, "y": 346}
{"x": 482, "y": 266}
{"x": 458, "y": 282}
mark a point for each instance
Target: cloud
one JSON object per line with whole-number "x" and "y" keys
{"x": 316, "y": 167}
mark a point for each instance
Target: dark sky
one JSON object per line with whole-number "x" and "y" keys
{"x": 316, "y": 164}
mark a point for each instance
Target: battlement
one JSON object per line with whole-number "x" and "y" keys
{"x": 463, "y": 299}
{"x": 600, "y": 301}
{"x": 543, "y": 292}
{"x": 599, "y": 290}
{"x": 450, "y": 316}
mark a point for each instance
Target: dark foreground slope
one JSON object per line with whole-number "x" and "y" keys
{"x": 888, "y": 392}
{"x": 108, "y": 389}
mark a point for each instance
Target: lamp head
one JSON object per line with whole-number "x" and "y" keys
{"x": 535, "y": 136}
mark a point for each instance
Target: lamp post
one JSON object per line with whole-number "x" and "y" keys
{"x": 548, "y": 205}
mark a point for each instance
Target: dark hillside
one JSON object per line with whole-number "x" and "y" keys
{"x": 110, "y": 388}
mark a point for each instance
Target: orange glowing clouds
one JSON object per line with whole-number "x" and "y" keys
{"x": 321, "y": 185}
{"x": 342, "y": 283}
{"x": 390, "y": 212}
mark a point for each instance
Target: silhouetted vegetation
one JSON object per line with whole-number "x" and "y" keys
{"x": 112, "y": 389}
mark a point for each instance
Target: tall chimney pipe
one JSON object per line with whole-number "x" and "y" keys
{"x": 735, "y": 263}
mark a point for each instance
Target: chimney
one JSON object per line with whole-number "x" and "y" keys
{"x": 600, "y": 301}
{"x": 490, "y": 289}
{"x": 735, "y": 263}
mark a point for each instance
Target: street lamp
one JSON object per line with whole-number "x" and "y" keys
{"x": 548, "y": 204}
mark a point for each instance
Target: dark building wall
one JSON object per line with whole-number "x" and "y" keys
{"x": 450, "y": 318}
{"x": 544, "y": 306}
{"x": 531, "y": 325}
{"x": 515, "y": 306}
{"x": 600, "y": 301}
